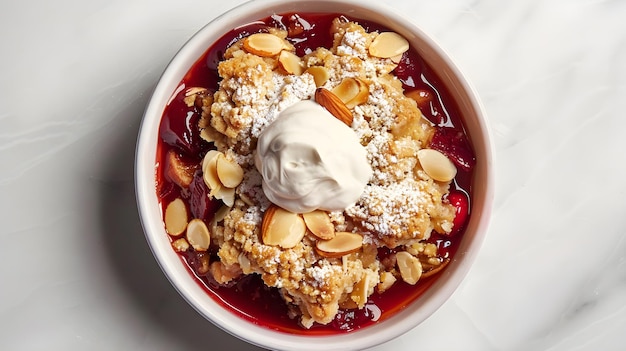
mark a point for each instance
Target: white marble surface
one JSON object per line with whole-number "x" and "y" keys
{"x": 77, "y": 274}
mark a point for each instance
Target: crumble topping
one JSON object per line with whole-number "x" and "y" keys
{"x": 398, "y": 209}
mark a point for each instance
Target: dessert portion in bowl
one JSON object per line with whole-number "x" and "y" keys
{"x": 313, "y": 173}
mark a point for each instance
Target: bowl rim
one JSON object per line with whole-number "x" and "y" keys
{"x": 172, "y": 266}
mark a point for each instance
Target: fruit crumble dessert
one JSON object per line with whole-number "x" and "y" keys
{"x": 313, "y": 167}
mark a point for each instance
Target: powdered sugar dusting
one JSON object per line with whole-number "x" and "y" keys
{"x": 322, "y": 272}
{"x": 287, "y": 91}
{"x": 398, "y": 207}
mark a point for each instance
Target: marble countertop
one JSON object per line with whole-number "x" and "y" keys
{"x": 77, "y": 273}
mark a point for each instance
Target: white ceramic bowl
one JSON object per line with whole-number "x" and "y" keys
{"x": 408, "y": 317}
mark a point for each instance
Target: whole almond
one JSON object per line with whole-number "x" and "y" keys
{"x": 334, "y": 105}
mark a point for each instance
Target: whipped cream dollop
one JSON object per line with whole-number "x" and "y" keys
{"x": 310, "y": 160}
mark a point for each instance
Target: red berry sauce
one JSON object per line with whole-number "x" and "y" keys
{"x": 249, "y": 297}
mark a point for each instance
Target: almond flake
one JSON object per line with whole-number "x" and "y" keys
{"x": 320, "y": 74}
{"x": 282, "y": 228}
{"x": 388, "y": 44}
{"x": 319, "y": 224}
{"x": 263, "y": 44}
{"x": 342, "y": 244}
{"x": 352, "y": 91}
{"x": 176, "y": 217}
{"x": 396, "y": 59}
{"x": 386, "y": 280}
{"x": 227, "y": 195}
{"x": 410, "y": 267}
{"x": 291, "y": 63}
{"x": 198, "y": 235}
{"x": 209, "y": 171}
{"x": 229, "y": 172}
{"x": 360, "y": 292}
{"x": 436, "y": 165}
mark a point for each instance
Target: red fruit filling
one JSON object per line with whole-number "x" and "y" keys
{"x": 249, "y": 297}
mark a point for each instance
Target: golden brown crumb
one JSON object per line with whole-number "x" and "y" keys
{"x": 399, "y": 208}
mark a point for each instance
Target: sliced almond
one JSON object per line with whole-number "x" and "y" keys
{"x": 360, "y": 292}
{"x": 209, "y": 157}
{"x": 227, "y": 195}
{"x": 396, "y": 59}
{"x": 436, "y": 165}
{"x": 320, "y": 74}
{"x": 263, "y": 44}
{"x": 388, "y": 44}
{"x": 198, "y": 235}
{"x": 347, "y": 89}
{"x": 176, "y": 217}
{"x": 221, "y": 214}
{"x": 387, "y": 279}
{"x": 334, "y": 105}
{"x": 209, "y": 171}
{"x": 342, "y": 244}
{"x": 290, "y": 62}
{"x": 246, "y": 199}
{"x": 318, "y": 222}
{"x": 352, "y": 91}
{"x": 229, "y": 172}
{"x": 410, "y": 267}
{"x": 362, "y": 96}
{"x": 282, "y": 228}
